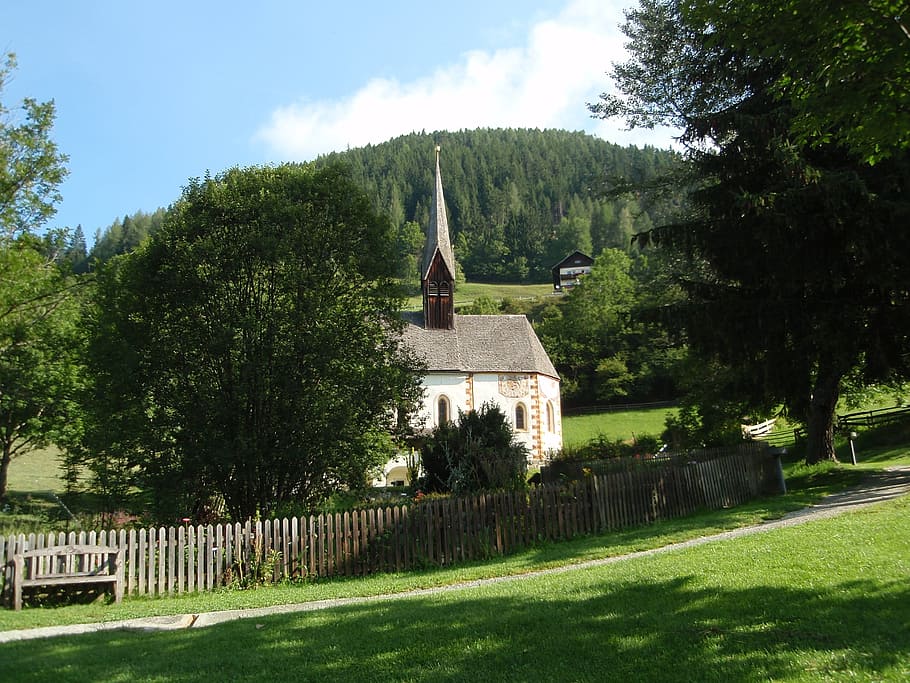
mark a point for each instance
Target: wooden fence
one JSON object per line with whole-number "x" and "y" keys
{"x": 872, "y": 418}
{"x": 433, "y": 532}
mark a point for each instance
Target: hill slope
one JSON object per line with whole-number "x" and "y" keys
{"x": 518, "y": 200}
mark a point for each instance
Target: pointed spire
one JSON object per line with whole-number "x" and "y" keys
{"x": 438, "y": 230}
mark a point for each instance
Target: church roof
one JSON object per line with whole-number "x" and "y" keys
{"x": 438, "y": 231}
{"x": 479, "y": 343}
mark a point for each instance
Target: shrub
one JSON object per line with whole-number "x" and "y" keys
{"x": 475, "y": 454}
{"x": 601, "y": 448}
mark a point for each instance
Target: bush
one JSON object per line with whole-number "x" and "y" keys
{"x": 601, "y": 448}
{"x": 478, "y": 453}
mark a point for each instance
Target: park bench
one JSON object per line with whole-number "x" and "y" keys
{"x": 67, "y": 565}
{"x": 762, "y": 429}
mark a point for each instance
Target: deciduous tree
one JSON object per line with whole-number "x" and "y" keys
{"x": 250, "y": 342}
{"x": 38, "y": 368}
{"x": 39, "y": 350}
{"x": 31, "y": 166}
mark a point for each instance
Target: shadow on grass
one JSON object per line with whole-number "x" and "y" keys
{"x": 668, "y": 629}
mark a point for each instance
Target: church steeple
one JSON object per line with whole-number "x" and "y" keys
{"x": 437, "y": 275}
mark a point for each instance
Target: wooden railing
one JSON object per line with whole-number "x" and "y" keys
{"x": 873, "y": 418}
{"x": 433, "y": 532}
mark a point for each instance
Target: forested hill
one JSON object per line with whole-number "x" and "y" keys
{"x": 518, "y": 200}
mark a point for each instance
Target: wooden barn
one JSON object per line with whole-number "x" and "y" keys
{"x": 572, "y": 267}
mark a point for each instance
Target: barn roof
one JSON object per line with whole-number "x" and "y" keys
{"x": 438, "y": 231}
{"x": 576, "y": 258}
{"x": 479, "y": 343}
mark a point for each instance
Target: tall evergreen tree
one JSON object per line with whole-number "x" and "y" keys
{"x": 794, "y": 258}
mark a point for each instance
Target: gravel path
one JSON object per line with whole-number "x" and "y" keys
{"x": 877, "y": 487}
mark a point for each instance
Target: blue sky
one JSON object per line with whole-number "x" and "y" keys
{"x": 151, "y": 94}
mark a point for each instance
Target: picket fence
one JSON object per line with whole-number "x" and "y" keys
{"x": 433, "y": 532}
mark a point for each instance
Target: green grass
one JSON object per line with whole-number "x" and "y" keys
{"x": 33, "y": 489}
{"x": 805, "y": 488}
{"x": 38, "y": 471}
{"x": 466, "y": 292}
{"x": 827, "y": 600}
{"x": 578, "y": 430}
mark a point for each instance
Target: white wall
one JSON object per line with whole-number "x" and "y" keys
{"x": 452, "y": 385}
{"x": 532, "y": 391}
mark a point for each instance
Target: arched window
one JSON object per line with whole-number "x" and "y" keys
{"x": 521, "y": 418}
{"x": 551, "y": 423}
{"x": 444, "y": 288}
{"x": 442, "y": 410}
{"x": 433, "y": 288}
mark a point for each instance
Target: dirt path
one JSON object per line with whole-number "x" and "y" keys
{"x": 877, "y": 487}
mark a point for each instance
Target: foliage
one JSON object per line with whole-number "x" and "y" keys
{"x": 40, "y": 361}
{"x": 843, "y": 65}
{"x": 482, "y": 305}
{"x": 31, "y": 167}
{"x": 604, "y": 351}
{"x": 791, "y": 262}
{"x": 519, "y": 201}
{"x": 603, "y": 448}
{"x": 253, "y": 568}
{"x": 247, "y": 349}
{"x": 122, "y": 236}
{"x": 478, "y": 453}
{"x": 38, "y": 344}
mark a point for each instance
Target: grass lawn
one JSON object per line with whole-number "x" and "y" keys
{"x": 33, "y": 504}
{"x": 827, "y": 600}
{"x": 466, "y": 292}
{"x": 578, "y": 430}
{"x": 36, "y": 472}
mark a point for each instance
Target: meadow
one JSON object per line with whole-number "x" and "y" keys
{"x": 613, "y": 425}
{"x": 826, "y": 600}
{"x": 466, "y": 292}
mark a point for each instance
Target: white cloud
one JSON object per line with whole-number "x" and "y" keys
{"x": 544, "y": 84}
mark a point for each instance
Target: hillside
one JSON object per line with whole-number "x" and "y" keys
{"x": 518, "y": 200}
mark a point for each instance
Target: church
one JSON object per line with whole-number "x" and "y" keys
{"x": 476, "y": 359}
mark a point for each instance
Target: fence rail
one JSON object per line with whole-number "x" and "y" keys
{"x": 435, "y": 532}
{"x": 873, "y": 418}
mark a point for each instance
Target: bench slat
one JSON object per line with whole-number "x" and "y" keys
{"x": 69, "y": 580}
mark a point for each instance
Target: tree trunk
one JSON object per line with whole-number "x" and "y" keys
{"x": 4, "y": 468}
{"x": 820, "y": 420}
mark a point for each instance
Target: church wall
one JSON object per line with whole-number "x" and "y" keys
{"x": 551, "y": 440}
{"x": 532, "y": 392}
{"x": 454, "y": 386}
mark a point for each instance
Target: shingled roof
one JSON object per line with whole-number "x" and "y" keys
{"x": 438, "y": 231}
{"x": 479, "y": 343}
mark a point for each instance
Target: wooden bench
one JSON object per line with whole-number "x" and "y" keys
{"x": 762, "y": 429}
{"x": 67, "y": 565}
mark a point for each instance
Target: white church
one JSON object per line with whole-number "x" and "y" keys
{"x": 475, "y": 359}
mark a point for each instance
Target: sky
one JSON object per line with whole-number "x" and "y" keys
{"x": 151, "y": 94}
